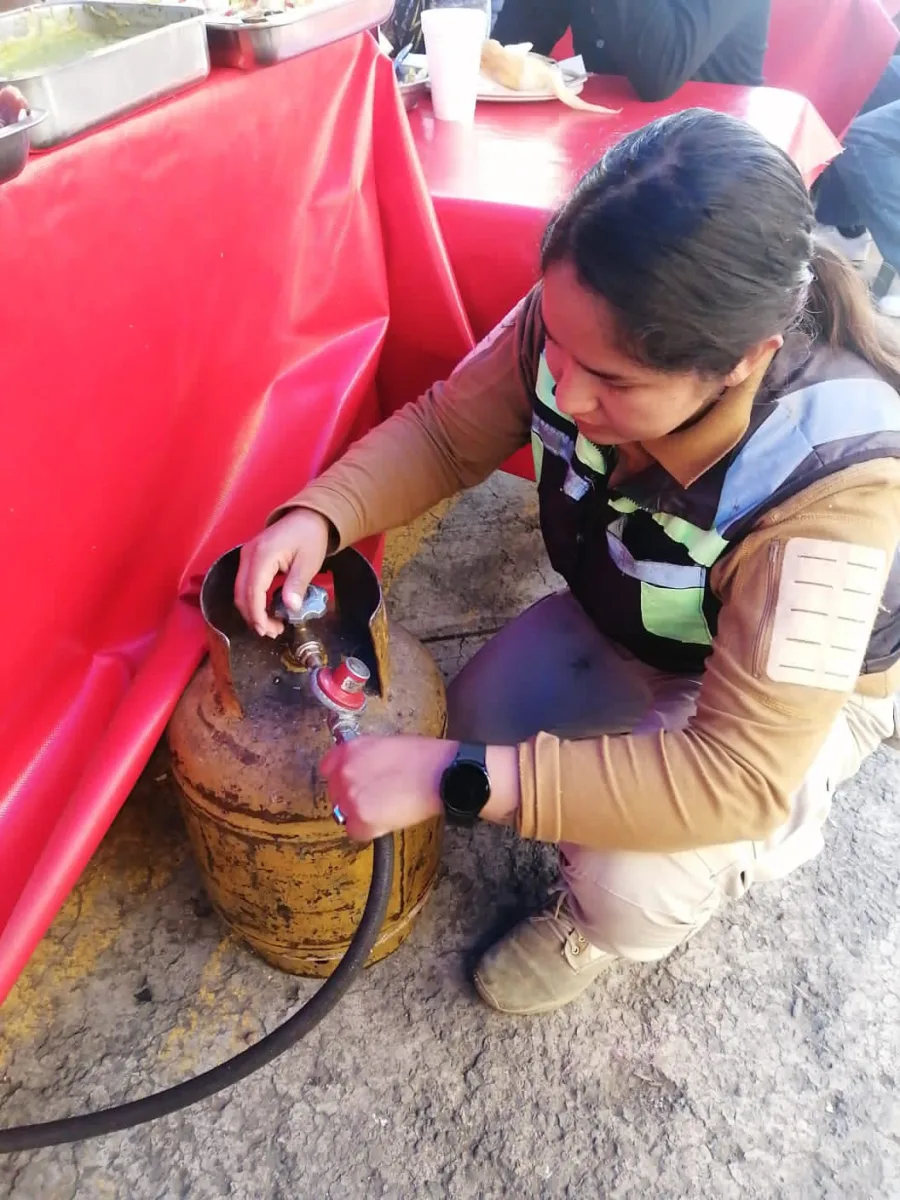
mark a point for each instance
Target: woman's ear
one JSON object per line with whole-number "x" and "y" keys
{"x": 752, "y": 359}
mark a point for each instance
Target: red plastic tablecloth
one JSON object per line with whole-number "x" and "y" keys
{"x": 495, "y": 185}
{"x": 198, "y": 305}
{"x": 831, "y": 51}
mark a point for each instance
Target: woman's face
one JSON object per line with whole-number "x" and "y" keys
{"x": 612, "y": 398}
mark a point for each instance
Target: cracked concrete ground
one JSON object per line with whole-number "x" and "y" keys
{"x": 762, "y": 1061}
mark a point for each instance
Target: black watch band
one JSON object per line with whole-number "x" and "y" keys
{"x": 466, "y": 785}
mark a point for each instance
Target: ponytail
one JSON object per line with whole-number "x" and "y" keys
{"x": 840, "y": 310}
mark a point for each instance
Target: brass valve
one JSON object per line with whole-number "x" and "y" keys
{"x": 305, "y": 650}
{"x": 342, "y": 690}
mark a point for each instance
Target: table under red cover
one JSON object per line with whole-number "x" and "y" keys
{"x": 200, "y": 305}
{"x": 495, "y": 185}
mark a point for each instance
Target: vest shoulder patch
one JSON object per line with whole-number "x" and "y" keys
{"x": 828, "y": 598}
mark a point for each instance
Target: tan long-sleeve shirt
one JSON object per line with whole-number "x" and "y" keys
{"x": 730, "y": 774}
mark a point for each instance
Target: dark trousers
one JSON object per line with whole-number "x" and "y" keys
{"x": 861, "y": 188}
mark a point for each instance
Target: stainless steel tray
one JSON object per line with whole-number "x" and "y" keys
{"x": 236, "y": 41}
{"x": 15, "y": 142}
{"x": 150, "y": 51}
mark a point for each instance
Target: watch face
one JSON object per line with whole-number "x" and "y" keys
{"x": 466, "y": 787}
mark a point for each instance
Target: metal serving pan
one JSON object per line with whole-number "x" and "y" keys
{"x": 244, "y": 41}
{"x": 87, "y": 62}
{"x": 15, "y": 142}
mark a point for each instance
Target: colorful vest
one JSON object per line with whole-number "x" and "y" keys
{"x": 638, "y": 557}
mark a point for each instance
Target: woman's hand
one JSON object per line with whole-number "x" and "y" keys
{"x": 382, "y": 784}
{"x": 296, "y": 545}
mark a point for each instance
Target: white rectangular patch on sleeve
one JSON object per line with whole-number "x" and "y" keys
{"x": 828, "y": 598}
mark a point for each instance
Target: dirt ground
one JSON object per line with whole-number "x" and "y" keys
{"x": 761, "y": 1061}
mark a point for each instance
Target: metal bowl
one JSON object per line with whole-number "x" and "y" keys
{"x": 15, "y": 143}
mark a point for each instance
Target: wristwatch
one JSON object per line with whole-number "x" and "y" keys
{"x": 466, "y": 785}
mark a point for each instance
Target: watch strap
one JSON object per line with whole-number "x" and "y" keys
{"x": 472, "y": 752}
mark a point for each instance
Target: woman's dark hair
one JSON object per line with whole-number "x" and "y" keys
{"x": 699, "y": 233}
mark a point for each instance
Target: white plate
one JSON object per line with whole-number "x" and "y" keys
{"x": 490, "y": 90}
{"x": 497, "y": 93}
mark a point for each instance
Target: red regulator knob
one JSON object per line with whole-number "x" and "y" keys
{"x": 344, "y": 686}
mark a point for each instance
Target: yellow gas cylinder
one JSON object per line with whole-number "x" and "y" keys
{"x": 246, "y": 740}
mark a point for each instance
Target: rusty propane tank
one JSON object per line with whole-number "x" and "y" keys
{"x": 246, "y": 740}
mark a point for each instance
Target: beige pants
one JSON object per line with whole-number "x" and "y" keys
{"x": 551, "y": 670}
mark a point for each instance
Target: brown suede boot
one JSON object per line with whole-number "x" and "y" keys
{"x": 540, "y": 965}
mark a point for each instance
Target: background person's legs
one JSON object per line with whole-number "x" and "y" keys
{"x": 834, "y": 205}
{"x": 869, "y": 170}
{"x": 860, "y": 191}
{"x": 886, "y": 90}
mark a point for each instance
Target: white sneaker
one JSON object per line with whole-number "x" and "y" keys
{"x": 889, "y": 305}
{"x": 856, "y": 249}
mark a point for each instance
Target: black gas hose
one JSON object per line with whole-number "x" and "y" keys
{"x": 137, "y": 1112}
